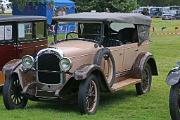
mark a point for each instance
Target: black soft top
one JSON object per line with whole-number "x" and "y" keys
{"x": 133, "y": 18}
{"x": 21, "y": 18}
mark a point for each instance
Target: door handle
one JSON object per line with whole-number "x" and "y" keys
{"x": 19, "y": 45}
{"x": 136, "y": 50}
{"x": 19, "y": 48}
{"x": 120, "y": 54}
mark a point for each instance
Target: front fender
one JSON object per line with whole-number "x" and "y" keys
{"x": 84, "y": 71}
{"x": 11, "y": 66}
{"x": 173, "y": 77}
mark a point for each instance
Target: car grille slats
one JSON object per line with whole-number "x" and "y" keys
{"x": 48, "y": 69}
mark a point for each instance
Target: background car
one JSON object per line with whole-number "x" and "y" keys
{"x": 168, "y": 16}
{"x": 108, "y": 52}
{"x": 20, "y": 35}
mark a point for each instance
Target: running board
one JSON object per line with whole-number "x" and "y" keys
{"x": 119, "y": 85}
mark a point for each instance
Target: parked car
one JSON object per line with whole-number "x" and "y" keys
{"x": 109, "y": 52}
{"x": 173, "y": 80}
{"x": 19, "y": 36}
{"x": 168, "y": 16}
{"x": 150, "y": 11}
{"x": 171, "y": 14}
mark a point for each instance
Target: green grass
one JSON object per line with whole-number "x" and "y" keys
{"x": 124, "y": 105}
{"x": 169, "y": 24}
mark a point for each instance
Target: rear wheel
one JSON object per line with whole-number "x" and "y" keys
{"x": 12, "y": 97}
{"x": 146, "y": 79}
{"x": 88, "y": 95}
{"x": 174, "y": 102}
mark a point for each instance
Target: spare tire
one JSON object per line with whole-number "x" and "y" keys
{"x": 106, "y": 54}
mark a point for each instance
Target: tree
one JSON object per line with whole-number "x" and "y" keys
{"x": 124, "y": 5}
{"x": 101, "y": 5}
{"x": 22, "y": 3}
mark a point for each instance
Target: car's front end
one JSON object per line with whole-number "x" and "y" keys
{"x": 173, "y": 80}
{"x": 173, "y": 76}
{"x": 49, "y": 68}
{"x": 46, "y": 74}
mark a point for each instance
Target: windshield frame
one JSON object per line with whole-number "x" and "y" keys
{"x": 85, "y": 39}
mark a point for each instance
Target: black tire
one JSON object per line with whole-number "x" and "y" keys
{"x": 146, "y": 79}
{"x": 86, "y": 100}
{"x": 12, "y": 97}
{"x": 106, "y": 53}
{"x": 1, "y": 87}
{"x": 174, "y": 102}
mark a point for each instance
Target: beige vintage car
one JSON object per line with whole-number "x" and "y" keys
{"x": 108, "y": 52}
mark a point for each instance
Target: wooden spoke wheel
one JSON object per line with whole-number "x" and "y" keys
{"x": 12, "y": 96}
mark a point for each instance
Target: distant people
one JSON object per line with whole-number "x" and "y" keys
{"x": 61, "y": 12}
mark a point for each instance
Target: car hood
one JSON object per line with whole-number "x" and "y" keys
{"x": 73, "y": 48}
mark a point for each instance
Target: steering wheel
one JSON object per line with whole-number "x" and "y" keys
{"x": 71, "y": 35}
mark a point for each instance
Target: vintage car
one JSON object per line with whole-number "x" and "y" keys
{"x": 108, "y": 52}
{"x": 173, "y": 80}
{"x": 19, "y": 36}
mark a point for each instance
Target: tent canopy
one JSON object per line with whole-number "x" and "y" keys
{"x": 62, "y": 3}
{"x": 43, "y": 9}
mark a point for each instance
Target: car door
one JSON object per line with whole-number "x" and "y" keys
{"x": 118, "y": 53}
{"x": 131, "y": 47}
{"x": 130, "y": 55}
{"x": 8, "y": 49}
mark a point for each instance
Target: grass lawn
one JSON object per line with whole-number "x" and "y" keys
{"x": 124, "y": 105}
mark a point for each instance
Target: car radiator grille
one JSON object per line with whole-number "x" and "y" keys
{"x": 48, "y": 69}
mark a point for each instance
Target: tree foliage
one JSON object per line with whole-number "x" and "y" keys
{"x": 102, "y": 5}
{"x": 22, "y": 3}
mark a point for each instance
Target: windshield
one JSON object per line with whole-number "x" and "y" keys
{"x": 89, "y": 30}
{"x": 76, "y": 30}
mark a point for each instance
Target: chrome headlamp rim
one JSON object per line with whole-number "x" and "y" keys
{"x": 25, "y": 67}
{"x": 61, "y": 66}
{"x": 173, "y": 77}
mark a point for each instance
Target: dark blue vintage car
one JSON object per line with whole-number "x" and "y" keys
{"x": 173, "y": 80}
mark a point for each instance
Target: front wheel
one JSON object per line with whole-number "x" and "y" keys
{"x": 174, "y": 102}
{"x": 88, "y": 95}
{"x": 146, "y": 79}
{"x": 12, "y": 97}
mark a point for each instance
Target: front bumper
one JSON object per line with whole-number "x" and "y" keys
{"x": 41, "y": 90}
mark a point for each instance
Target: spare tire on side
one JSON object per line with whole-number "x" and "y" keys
{"x": 105, "y": 54}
